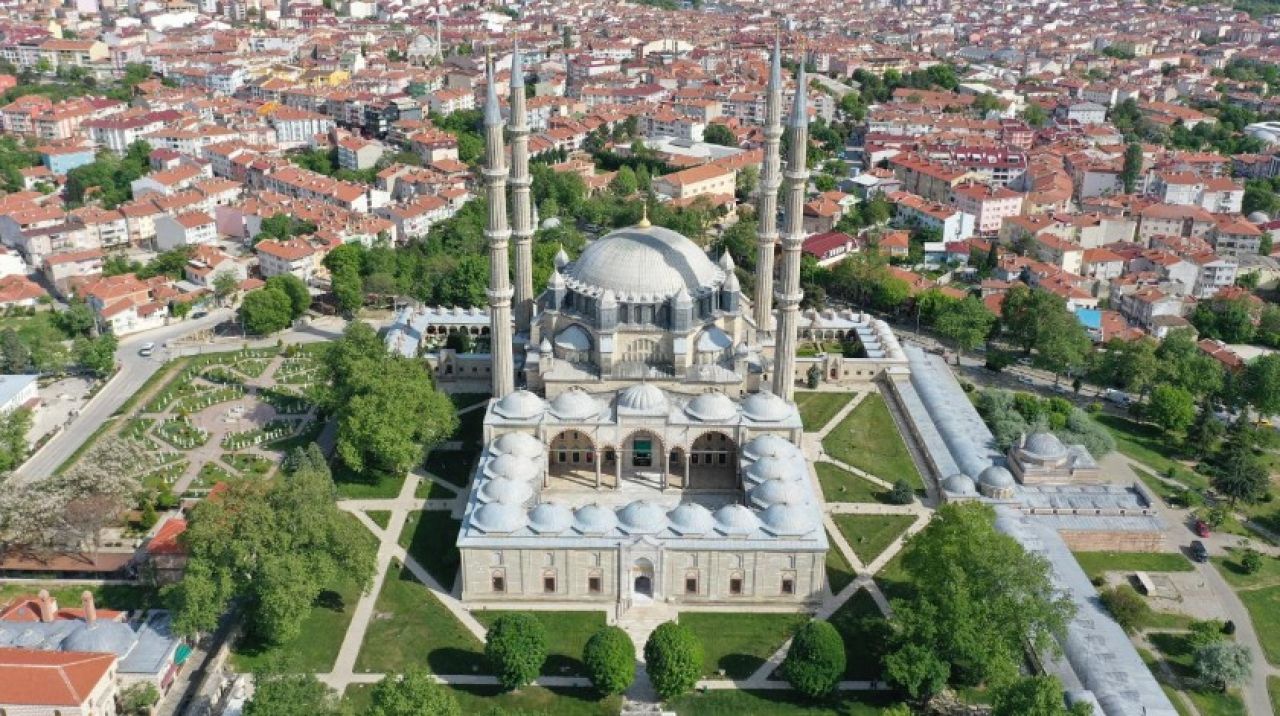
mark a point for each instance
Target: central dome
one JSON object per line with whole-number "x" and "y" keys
{"x": 643, "y": 261}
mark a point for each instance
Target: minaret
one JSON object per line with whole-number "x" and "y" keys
{"x": 439, "y": 41}
{"x": 497, "y": 233}
{"x": 767, "y": 216}
{"x": 789, "y": 293}
{"x": 521, "y": 202}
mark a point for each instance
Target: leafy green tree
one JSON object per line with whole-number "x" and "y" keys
{"x": 290, "y": 695}
{"x": 413, "y": 693}
{"x": 1019, "y": 315}
{"x": 1062, "y": 344}
{"x": 1251, "y": 561}
{"x": 1035, "y": 115}
{"x": 516, "y": 647}
{"x": 295, "y": 289}
{"x": 1171, "y": 407}
{"x": 97, "y": 355}
{"x": 719, "y": 134}
{"x": 224, "y": 286}
{"x": 13, "y": 438}
{"x": 14, "y": 354}
{"x": 966, "y": 323}
{"x": 1222, "y": 664}
{"x": 901, "y": 493}
{"x": 1239, "y": 474}
{"x": 266, "y": 311}
{"x": 624, "y": 182}
{"x": 746, "y": 182}
{"x": 1262, "y": 384}
{"x": 1132, "y": 167}
{"x": 673, "y": 659}
{"x": 1035, "y": 696}
{"x": 1126, "y": 606}
{"x": 816, "y": 660}
{"x": 77, "y": 319}
{"x": 610, "y": 658}
{"x": 137, "y": 699}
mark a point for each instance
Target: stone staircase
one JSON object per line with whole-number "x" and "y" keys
{"x": 639, "y": 621}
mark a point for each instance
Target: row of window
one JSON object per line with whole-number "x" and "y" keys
{"x": 595, "y": 585}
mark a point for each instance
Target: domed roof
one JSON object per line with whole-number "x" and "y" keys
{"x": 574, "y": 404}
{"x": 642, "y": 517}
{"x": 550, "y": 518}
{"x": 996, "y": 477}
{"x": 690, "y": 518}
{"x": 959, "y": 484}
{"x": 520, "y": 405}
{"x": 574, "y": 338}
{"x": 765, "y": 407}
{"x": 768, "y": 468}
{"x": 497, "y": 517}
{"x": 711, "y": 407}
{"x": 787, "y": 520}
{"x": 643, "y": 398}
{"x": 521, "y": 445}
{"x": 511, "y": 467}
{"x": 102, "y": 636}
{"x": 1259, "y": 217}
{"x": 736, "y": 519}
{"x": 768, "y": 446}
{"x": 713, "y": 340}
{"x": 594, "y": 520}
{"x": 643, "y": 261}
{"x": 777, "y": 492}
{"x": 1044, "y": 445}
{"x": 506, "y": 491}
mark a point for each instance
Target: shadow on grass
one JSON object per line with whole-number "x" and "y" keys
{"x": 433, "y": 544}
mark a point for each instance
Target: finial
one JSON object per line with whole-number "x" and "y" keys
{"x": 492, "y": 111}
{"x": 644, "y": 217}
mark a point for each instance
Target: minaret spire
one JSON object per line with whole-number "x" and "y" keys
{"x": 789, "y": 293}
{"x": 767, "y": 213}
{"x": 521, "y": 202}
{"x": 497, "y": 234}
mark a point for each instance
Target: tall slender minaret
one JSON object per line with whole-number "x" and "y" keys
{"x": 521, "y": 202}
{"x": 439, "y": 41}
{"x": 767, "y": 229}
{"x": 789, "y": 293}
{"x": 497, "y": 233}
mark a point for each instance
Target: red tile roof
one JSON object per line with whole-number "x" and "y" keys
{"x": 51, "y": 678}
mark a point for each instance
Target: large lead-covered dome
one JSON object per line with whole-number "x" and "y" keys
{"x": 642, "y": 261}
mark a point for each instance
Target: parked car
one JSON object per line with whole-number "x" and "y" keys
{"x": 1119, "y": 397}
{"x": 1202, "y": 528}
{"x": 1199, "y": 552}
{"x": 147, "y": 349}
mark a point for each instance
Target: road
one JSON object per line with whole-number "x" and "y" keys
{"x": 1256, "y": 698}
{"x": 837, "y": 88}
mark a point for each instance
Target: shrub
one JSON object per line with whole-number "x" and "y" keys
{"x": 610, "y": 658}
{"x": 673, "y": 658}
{"x": 1251, "y": 562}
{"x": 901, "y": 494}
{"x": 816, "y": 659}
{"x": 1126, "y": 606}
{"x": 516, "y": 646}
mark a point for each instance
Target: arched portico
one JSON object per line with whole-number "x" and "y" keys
{"x": 643, "y": 458}
{"x": 572, "y": 457}
{"x": 713, "y": 462}
{"x": 643, "y": 584}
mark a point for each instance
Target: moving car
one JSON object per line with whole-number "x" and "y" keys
{"x": 1199, "y": 552}
{"x": 1202, "y": 528}
{"x": 147, "y": 349}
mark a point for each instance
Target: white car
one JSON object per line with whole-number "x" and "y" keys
{"x": 147, "y": 349}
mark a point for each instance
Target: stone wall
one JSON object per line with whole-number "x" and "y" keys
{"x": 1113, "y": 540}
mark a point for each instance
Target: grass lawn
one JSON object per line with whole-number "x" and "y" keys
{"x": 411, "y": 627}
{"x": 432, "y": 490}
{"x": 817, "y": 409}
{"x": 739, "y": 643}
{"x": 1175, "y": 649}
{"x": 1264, "y": 610}
{"x": 354, "y": 485}
{"x": 1173, "y": 495}
{"x": 530, "y": 700}
{"x": 430, "y": 537}
{"x": 1233, "y": 572}
{"x": 840, "y": 485}
{"x": 317, "y": 644}
{"x": 868, "y": 440}
{"x": 1095, "y": 563}
{"x": 732, "y": 702}
{"x": 869, "y": 535}
{"x": 1149, "y": 445}
{"x": 1273, "y": 688}
{"x": 119, "y": 597}
{"x": 839, "y": 571}
{"x": 863, "y": 628}
{"x": 248, "y": 464}
{"x": 567, "y": 634}
{"x": 893, "y": 580}
{"x": 381, "y": 518}
{"x": 466, "y": 400}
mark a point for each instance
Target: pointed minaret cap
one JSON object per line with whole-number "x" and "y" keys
{"x": 492, "y": 111}
{"x": 644, "y": 217}
{"x": 800, "y": 108}
{"x": 775, "y": 66}
{"x": 561, "y": 258}
{"x": 726, "y": 262}
{"x": 517, "y": 74}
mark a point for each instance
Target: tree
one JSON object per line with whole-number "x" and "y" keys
{"x": 1251, "y": 561}
{"x": 1172, "y": 408}
{"x": 902, "y": 493}
{"x": 225, "y": 285}
{"x": 1035, "y": 115}
{"x": 1062, "y": 344}
{"x": 77, "y": 319}
{"x": 413, "y": 693}
{"x": 348, "y": 288}
{"x": 14, "y": 354}
{"x": 624, "y": 182}
{"x": 266, "y": 311}
{"x": 289, "y": 695}
{"x": 1240, "y": 475}
{"x": 719, "y": 134}
{"x": 1126, "y": 606}
{"x": 967, "y": 323}
{"x": 1035, "y": 696}
{"x": 97, "y": 355}
{"x": 673, "y": 658}
{"x": 1222, "y": 664}
{"x": 816, "y": 660}
{"x": 746, "y": 182}
{"x": 295, "y": 289}
{"x": 610, "y": 658}
{"x": 137, "y": 699}
{"x": 516, "y": 646}
{"x": 1262, "y": 384}
{"x": 1132, "y": 167}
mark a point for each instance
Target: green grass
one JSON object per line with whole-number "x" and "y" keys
{"x": 1232, "y": 571}
{"x": 1212, "y": 703}
{"x": 248, "y": 464}
{"x": 1095, "y": 564}
{"x": 1176, "y": 650}
{"x": 317, "y": 644}
{"x": 1264, "y": 610}
{"x": 181, "y": 434}
{"x": 211, "y": 473}
{"x": 1149, "y": 445}
{"x": 839, "y": 572}
{"x": 567, "y": 635}
{"x": 1273, "y": 688}
{"x": 432, "y": 490}
{"x": 354, "y": 485}
{"x": 840, "y": 485}
{"x": 381, "y": 518}
{"x": 160, "y": 376}
{"x": 733, "y": 702}
{"x": 869, "y": 535}
{"x": 864, "y": 630}
{"x": 868, "y": 440}
{"x": 118, "y": 597}
{"x": 411, "y": 627}
{"x": 528, "y": 701}
{"x": 431, "y": 539}
{"x": 1175, "y": 496}
{"x": 739, "y": 643}
{"x": 817, "y": 409}
{"x": 894, "y": 580}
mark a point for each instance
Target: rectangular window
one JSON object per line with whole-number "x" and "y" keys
{"x": 549, "y": 584}
{"x": 788, "y": 586}
{"x": 721, "y": 458}
{"x": 577, "y": 457}
{"x": 735, "y": 585}
{"x": 561, "y": 456}
{"x": 690, "y": 585}
{"x": 499, "y": 583}
{"x": 593, "y": 585}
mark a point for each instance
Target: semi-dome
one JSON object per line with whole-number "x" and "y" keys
{"x": 711, "y": 407}
{"x": 594, "y": 520}
{"x": 643, "y": 398}
{"x": 1044, "y": 445}
{"x": 574, "y": 338}
{"x": 766, "y": 407}
{"x": 736, "y": 519}
{"x": 521, "y": 445}
{"x": 574, "y": 404}
{"x": 520, "y": 405}
{"x": 101, "y": 636}
{"x": 960, "y": 484}
{"x": 497, "y": 517}
{"x": 768, "y": 446}
{"x": 511, "y": 468}
{"x": 642, "y": 517}
{"x": 506, "y": 491}
{"x": 643, "y": 261}
{"x": 690, "y": 518}
{"x": 787, "y": 520}
{"x": 768, "y": 468}
{"x": 777, "y": 492}
{"x": 550, "y": 518}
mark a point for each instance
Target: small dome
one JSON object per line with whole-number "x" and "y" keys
{"x": 574, "y": 404}
{"x": 520, "y": 405}
{"x": 787, "y": 520}
{"x": 551, "y": 222}
{"x": 997, "y": 482}
{"x": 960, "y": 484}
{"x": 497, "y": 517}
{"x": 643, "y": 398}
{"x": 768, "y": 468}
{"x": 101, "y": 636}
{"x": 594, "y": 520}
{"x": 642, "y": 517}
{"x": 767, "y": 408}
{"x": 711, "y": 407}
{"x": 768, "y": 446}
{"x": 521, "y": 445}
{"x": 1259, "y": 217}
{"x": 511, "y": 468}
{"x": 777, "y": 492}
{"x": 550, "y": 518}
{"x": 736, "y": 519}
{"x": 505, "y": 491}
{"x": 1044, "y": 445}
{"x": 690, "y": 518}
